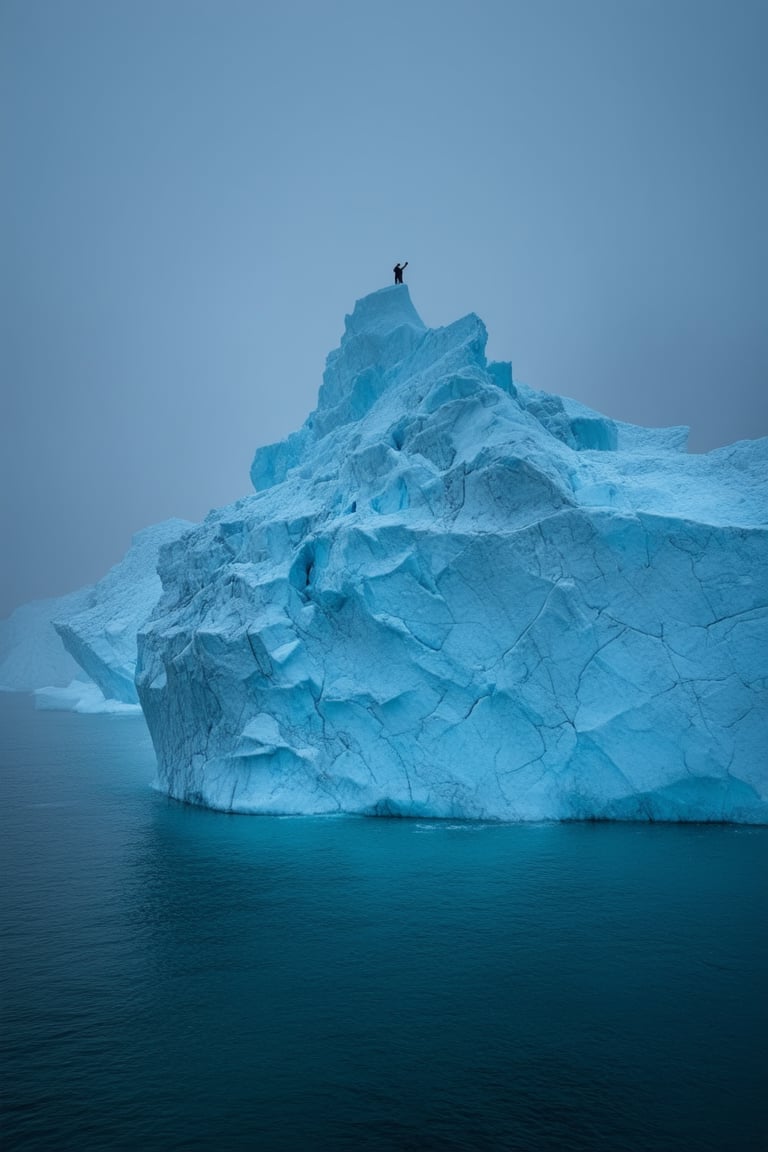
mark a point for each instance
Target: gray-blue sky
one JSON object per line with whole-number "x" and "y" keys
{"x": 194, "y": 194}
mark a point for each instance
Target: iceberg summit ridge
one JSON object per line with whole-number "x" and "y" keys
{"x": 453, "y": 596}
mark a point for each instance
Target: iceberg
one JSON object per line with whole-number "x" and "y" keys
{"x": 451, "y": 595}
{"x": 78, "y": 652}
{"x": 31, "y": 652}
{"x": 102, "y": 636}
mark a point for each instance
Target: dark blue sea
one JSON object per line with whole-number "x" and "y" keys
{"x": 181, "y": 979}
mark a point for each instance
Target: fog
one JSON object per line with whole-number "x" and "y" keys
{"x": 194, "y": 194}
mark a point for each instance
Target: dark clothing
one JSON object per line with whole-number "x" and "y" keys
{"x": 398, "y": 270}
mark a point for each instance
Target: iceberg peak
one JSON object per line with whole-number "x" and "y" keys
{"x": 381, "y": 312}
{"x": 382, "y": 330}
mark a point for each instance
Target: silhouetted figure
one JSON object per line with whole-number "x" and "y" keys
{"x": 399, "y": 269}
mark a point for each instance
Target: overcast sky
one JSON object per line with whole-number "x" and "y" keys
{"x": 195, "y": 192}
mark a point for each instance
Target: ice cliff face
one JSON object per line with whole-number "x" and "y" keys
{"x": 455, "y": 596}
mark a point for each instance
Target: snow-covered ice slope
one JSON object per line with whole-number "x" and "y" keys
{"x": 84, "y": 697}
{"x": 456, "y": 596}
{"x": 102, "y": 636}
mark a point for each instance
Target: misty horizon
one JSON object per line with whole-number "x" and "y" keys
{"x": 198, "y": 195}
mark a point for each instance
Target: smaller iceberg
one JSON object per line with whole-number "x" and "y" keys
{"x": 102, "y": 636}
{"x": 78, "y": 652}
{"x": 31, "y": 652}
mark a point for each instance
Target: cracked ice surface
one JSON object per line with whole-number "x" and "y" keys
{"x": 452, "y": 595}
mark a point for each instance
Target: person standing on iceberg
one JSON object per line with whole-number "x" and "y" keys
{"x": 398, "y": 270}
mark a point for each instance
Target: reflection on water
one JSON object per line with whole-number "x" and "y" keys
{"x": 175, "y": 978}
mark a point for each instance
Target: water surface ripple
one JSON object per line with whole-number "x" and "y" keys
{"x": 180, "y": 979}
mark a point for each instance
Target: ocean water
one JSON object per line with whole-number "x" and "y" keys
{"x": 181, "y": 979}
